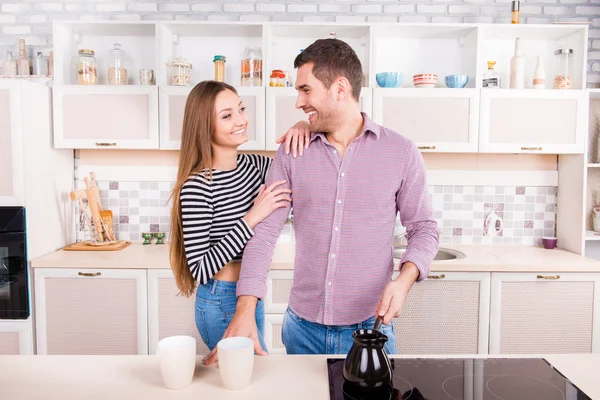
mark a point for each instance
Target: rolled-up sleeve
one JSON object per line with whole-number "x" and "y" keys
{"x": 259, "y": 250}
{"x": 416, "y": 214}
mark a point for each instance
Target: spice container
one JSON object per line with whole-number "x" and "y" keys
{"x": 277, "y": 78}
{"x": 515, "y": 11}
{"x": 86, "y": 68}
{"x": 252, "y": 67}
{"x": 219, "y": 62}
{"x": 10, "y": 65}
{"x": 180, "y": 72}
{"x": 563, "y": 77}
{"x": 117, "y": 74}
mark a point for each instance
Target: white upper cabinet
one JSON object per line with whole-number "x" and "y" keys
{"x": 533, "y": 121}
{"x": 172, "y": 107}
{"x": 437, "y": 120}
{"x": 103, "y": 115}
{"x": 282, "y": 113}
{"x": 12, "y": 190}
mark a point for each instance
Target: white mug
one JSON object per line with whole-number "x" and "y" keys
{"x": 177, "y": 358}
{"x": 236, "y": 361}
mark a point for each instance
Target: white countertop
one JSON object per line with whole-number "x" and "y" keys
{"x": 138, "y": 377}
{"x": 479, "y": 258}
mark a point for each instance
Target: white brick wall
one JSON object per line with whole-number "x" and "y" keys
{"x": 32, "y": 19}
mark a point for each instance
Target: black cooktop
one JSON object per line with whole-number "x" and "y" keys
{"x": 463, "y": 379}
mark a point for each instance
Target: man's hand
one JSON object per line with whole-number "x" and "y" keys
{"x": 393, "y": 297}
{"x": 242, "y": 324}
{"x": 297, "y": 137}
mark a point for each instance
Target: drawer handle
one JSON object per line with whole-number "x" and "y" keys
{"x": 442, "y": 276}
{"x": 89, "y": 273}
{"x": 105, "y": 144}
{"x": 548, "y": 277}
{"x": 426, "y": 147}
{"x": 532, "y": 148}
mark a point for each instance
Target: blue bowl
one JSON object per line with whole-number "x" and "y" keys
{"x": 390, "y": 79}
{"x": 457, "y": 81}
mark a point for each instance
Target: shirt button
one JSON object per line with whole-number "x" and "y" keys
{"x": 337, "y": 228}
{"x": 343, "y": 174}
{"x": 334, "y": 151}
{"x": 333, "y": 255}
{"x": 339, "y": 202}
{"x": 329, "y": 283}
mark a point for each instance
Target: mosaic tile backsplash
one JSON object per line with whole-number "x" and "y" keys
{"x": 528, "y": 213}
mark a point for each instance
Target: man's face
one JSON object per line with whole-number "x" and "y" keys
{"x": 317, "y": 101}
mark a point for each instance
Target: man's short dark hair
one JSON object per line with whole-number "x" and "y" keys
{"x": 331, "y": 59}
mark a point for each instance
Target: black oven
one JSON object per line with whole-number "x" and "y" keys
{"x": 14, "y": 291}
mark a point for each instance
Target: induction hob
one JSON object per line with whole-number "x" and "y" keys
{"x": 463, "y": 379}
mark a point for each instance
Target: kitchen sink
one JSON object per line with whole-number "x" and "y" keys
{"x": 443, "y": 254}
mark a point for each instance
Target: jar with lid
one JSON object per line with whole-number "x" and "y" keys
{"x": 117, "y": 73}
{"x": 219, "y": 62}
{"x": 252, "y": 74}
{"x": 86, "y": 67}
{"x": 180, "y": 72}
{"x": 563, "y": 77}
{"x": 277, "y": 78}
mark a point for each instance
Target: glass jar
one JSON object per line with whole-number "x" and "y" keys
{"x": 86, "y": 68}
{"x": 563, "y": 77}
{"x": 10, "y": 65}
{"x": 219, "y": 62}
{"x": 117, "y": 74}
{"x": 252, "y": 74}
{"x": 180, "y": 72}
{"x": 277, "y": 78}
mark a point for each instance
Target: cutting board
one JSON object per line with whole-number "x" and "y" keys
{"x": 82, "y": 246}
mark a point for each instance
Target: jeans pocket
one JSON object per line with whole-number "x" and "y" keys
{"x": 211, "y": 321}
{"x": 201, "y": 326}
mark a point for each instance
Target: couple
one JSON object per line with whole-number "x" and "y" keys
{"x": 346, "y": 189}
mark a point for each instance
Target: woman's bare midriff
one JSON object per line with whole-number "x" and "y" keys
{"x": 229, "y": 273}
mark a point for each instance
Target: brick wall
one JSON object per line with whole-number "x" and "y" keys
{"x": 33, "y": 19}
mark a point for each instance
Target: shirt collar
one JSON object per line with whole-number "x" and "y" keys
{"x": 368, "y": 126}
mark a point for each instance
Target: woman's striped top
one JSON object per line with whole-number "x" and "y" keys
{"x": 214, "y": 232}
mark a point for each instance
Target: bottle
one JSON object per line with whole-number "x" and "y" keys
{"x": 117, "y": 73}
{"x": 219, "y": 68}
{"x": 563, "y": 77}
{"x": 10, "y": 65}
{"x": 51, "y": 64}
{"x": 40, "y": 66}
{"x": 515, "y": 11}
{"x": 517, "y": 68}
{"x": 539, "y": 76}
{"x": 491, "y": 79}
{"x": 23, "y": 62}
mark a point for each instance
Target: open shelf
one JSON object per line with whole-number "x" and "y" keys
{"x": 591, "y": 235}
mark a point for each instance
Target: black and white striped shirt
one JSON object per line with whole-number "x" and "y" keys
{"x": 214, "y": 232}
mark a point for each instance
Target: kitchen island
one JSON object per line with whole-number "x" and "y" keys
{"x": 275, "y": 377}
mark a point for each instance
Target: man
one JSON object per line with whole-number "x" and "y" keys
{"x": 346, "y": 191}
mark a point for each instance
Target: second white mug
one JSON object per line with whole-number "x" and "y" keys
{"x": 177, "y": 358}
{"x": 236, "y": 361}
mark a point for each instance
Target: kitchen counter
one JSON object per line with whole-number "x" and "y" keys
{"x": 138, "y": 377}
{"x": 479, "y": 258}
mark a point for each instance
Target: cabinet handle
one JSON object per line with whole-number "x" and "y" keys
{"x": 442, "y": 276}
{"x": 426, "y": 147}
{"x": 89, "y": 273}
{"x": 105, "y": 144}
{"x": 532, "y": 148}
{"x": 548, "y": 277}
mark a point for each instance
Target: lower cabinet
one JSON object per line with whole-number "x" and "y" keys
{"x": 543, "y": 313}
{"x": 83, "y": 311}
{"x": 445, "y": 314}
{"x": 170, "y": 313}
{"x": 15, "y": 337}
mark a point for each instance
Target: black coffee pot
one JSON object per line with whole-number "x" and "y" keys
{"x": 367, "y": 366}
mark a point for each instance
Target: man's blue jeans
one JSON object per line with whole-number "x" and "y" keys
{"x": 304, "y": 337}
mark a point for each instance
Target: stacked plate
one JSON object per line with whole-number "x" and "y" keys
{"x": 425, "y": 80}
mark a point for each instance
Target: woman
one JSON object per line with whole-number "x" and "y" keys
{"x": 217, "y": 201}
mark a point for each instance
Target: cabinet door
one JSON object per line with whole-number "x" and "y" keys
{"x": 12, "y": 191}
{"x": 437, "y": 120}
{"x": 283, "y": 114}
{"x": 544, "y": 313}
{"x": 172, "y": 107}
{"x": 279, "y": 287}
{"x": 81, "y": 311}
{"x": 448, "y": 313}
{"x": 533, "y": 121}
{"x": 15, "y": 337}
{"x": 114, "y": 117}
{"x": 273, "y": 324}
{"x": 170, "y": 314}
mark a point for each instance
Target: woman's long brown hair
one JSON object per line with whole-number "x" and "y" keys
{"x": 195, "y": 156}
